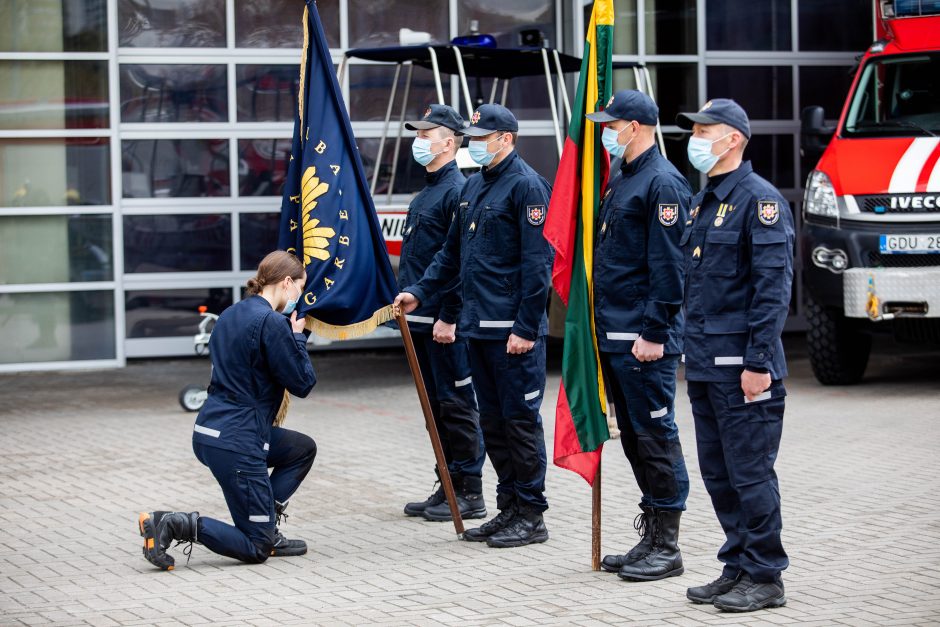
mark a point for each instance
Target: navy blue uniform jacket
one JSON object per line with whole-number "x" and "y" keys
{"x": 496, "y": 248}
{"x": 739, "y": 255}
{"x": 638, "y": 263}
{"x": 255, "y": 356}
{"x": 429, "y": 217}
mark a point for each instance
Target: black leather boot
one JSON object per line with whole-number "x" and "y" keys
{"x": 492, "y": 526}
{"x": 527, "y": 527}
{"x": 643, "y": 525}
{"x": 469, "y": 492}
{"x": 159, "y": 529}
{"x": 665, "y": 559}
{"x": 417, "y": 508}
{"x": 708, "y": 592}
{"x": 283, "y": 547}
{"x": 749, "y": 595}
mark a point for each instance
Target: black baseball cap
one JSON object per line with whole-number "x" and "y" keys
{"x": 437, "y": 115}
{"x": 717, "y": 111}
{"x": 628, "y": 104}
{"x": 490, "y": 118}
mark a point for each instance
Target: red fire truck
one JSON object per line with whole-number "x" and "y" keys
{"x": 871, "y": 211}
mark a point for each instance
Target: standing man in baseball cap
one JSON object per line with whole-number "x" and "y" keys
{"x": 496, "y": 248}
{"x": 443, "y": 357}
{"x": 739, "y": 255}
{"x": 638, "y": 279}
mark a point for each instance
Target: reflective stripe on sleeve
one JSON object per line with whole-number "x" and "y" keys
{"x": 424, "y": 319}
{"x": 532, "y": 395}
{"x": 463, "y": 382}
{"x": 730, "y": 361}
{"x": 497, "y": 324}
{"x": 259, "y": 519}
{"x": 659, "y": 413}
{"x": 622, "y": 336}
{"x": 214, "y": 433}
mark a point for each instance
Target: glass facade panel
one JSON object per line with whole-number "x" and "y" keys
{"x": 278, "y": 23}
{"x": 173, "y": 93}
{"x": 625, "y": 30}
{"x": 53, "y": 26}
{"x": 766, "y": 93}
{"x": 670, "y": 27}
{"x": 55, "y": 172}
{"x": 505, "y": 20}
{"x": 409, "y": 176}
{"x": 541, "y": 153}
{"x": 171, "y": 168}
{"x": 53, "y": 94}
{"x": 376, "y": 23}
{"x": 257, "y": 237}
{"x": 825, "y": 86}
{"x": 171, "y": 313}
{"x": 176, "y": 24}
{"x": 837, "y": 25}
{"x": 526, "y": 97}
{"x": 748, "y": 25}
{"x": 262, "y": 166}
{"x": 58, "y": 326}
{"x": 371, "y": 85}
{"x": 772, "y": 158}
{"x": 266, "y": 93}
{"x": 177, "y": 243}
{"x": 55, "y": 249}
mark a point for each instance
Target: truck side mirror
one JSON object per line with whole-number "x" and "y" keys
{"x": 814, "y": 134}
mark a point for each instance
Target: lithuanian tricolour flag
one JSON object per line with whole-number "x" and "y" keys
{"x": 580, "y": 420}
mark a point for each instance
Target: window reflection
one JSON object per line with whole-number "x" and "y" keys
{"x": 59, "y": 326}
{"x": 505, "y": 20}
{"x": 772, "y": 158}
{"x": 74, "y": 248}
{"x": 670, "y": 27}
{"x": 170, "y": 168}
{"x": 825, "y": 86}
{"x": 625, "y": 33}
{"x": 766, "y": 93}
{"x": 371, "y": 85}
{"x": 674, "y": 86}
{"x": 279, "y": 23}
{"x": 53, "y": 26}
{"x": 266, "y": 93}
{"x": 171, "y": 313}
{"x": 55, "y": 172}
{"x": 262, "y": 166}
{"x": 834, "y": 25}
{"x": 180, "y": 23}
{"x": 526, "y": 97}
{"x": 173, "y": 93}
{"x": 375, "y": 23}
{"x": 53, "y": 94}
{"x": 540, "y": 152}
{"x": 257, "y": 237}
{"x": 747, "y": 25}
{"x": 177, "y": 243}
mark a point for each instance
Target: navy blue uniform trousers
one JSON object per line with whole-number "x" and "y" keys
{"x": 644, "y": 395}
{"x": 737, "y": 448}
{"x": 445, "y": 369}
{"x": 250, "y": 493}
{"x": 509, "y": 389}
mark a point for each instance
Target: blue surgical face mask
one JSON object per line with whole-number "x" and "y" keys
{"x": 610, "y": 139}
{"x": 291, "y": 303}
{"x": 700, "y": 153}
{"x": 480, "y": 154}
{"x": 421, "y": 150}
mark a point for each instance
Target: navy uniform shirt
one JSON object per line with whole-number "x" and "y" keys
{"x": 429, "y": 218}
{"x": 638, "y": 263}
{"x": 496, "y": 248}
{"x": 255, "y": 356}
{"x": 739, "y": 258}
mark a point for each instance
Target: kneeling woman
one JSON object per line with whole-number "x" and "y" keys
{"x": 257, "y": 353}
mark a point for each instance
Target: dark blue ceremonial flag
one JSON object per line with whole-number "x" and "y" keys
{"x": 327, "y": 216}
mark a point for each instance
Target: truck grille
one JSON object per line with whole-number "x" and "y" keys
{"x": 902, "y": 203}
{"x": 877, "y": 260}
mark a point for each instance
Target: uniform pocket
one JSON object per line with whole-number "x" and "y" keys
{"x": 500, "y": 231}
{"x": 255, "y": 488}
{"x": 722, "y": 252}
{"x": 770, "y": 249}
{"x": 726, "y": 339}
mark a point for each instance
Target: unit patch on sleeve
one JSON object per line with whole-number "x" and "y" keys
{"x": 668, "y": 214}
{"x": 768, "y": 212}
{"x": 535, "y": 214}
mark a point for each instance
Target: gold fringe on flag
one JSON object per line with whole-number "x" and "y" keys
{"x": 338, "y": 332}
{"x": 303, "y": 68}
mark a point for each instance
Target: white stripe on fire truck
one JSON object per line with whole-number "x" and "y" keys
{"x": 933, "y": 183}
{"x": 907, "y": 171}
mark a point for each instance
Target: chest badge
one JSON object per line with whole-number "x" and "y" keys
{"x": 768, "y": 212}
{"x": 697, "y": 252}
{"x": 535, "y": 214}
{"x": 668, "y": 214}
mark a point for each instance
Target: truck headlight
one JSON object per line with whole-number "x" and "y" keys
{"x": 820, "y": 197}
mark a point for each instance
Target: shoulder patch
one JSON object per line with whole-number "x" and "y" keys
{"x": 668, "y": 214}
{"x": 535, "y": 214}
{"x": 768, "y": 212}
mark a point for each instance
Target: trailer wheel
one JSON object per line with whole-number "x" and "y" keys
{"x": 838, "y": 353}
{"x": 192, "y": 397}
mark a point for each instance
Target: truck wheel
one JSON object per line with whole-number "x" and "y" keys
{"x": 837, "y": 352}
{"x": 192, "y": 397}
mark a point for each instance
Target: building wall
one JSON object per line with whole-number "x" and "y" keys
{"x": 142, "y": 144}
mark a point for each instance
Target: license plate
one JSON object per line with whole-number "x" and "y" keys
{"x": 909, "y": 244}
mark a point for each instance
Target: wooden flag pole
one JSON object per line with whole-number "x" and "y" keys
{"x": 443, "y": 471}
{"x": 596, "y": 520}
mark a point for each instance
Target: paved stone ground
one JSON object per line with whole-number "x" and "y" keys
{"x": 82, "y": 453}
